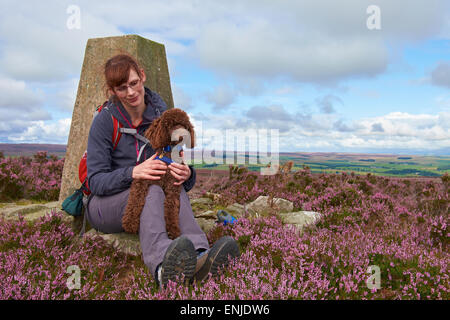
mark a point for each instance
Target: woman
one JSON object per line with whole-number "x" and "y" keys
{"x": 112, "y": 169}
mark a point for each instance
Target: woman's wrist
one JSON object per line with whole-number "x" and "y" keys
{"x": 133, "y": 172}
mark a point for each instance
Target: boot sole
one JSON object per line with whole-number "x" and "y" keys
{"x": 218, "y": 257}
{"x": 179, "y": 259}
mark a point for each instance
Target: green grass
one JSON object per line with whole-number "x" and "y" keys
{"x": 391, "y": 166}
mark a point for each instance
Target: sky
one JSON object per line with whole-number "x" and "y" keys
{"x": 327, "y": 76}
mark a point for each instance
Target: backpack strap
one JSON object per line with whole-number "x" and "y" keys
{"x": 116, "y": 124}
{"x": 118, "y": 129}
{"x": 116, "y": 132}
{"x": 86, "y": 200}
{"x": 134, "y": 133}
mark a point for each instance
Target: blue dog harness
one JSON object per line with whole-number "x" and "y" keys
{"x": 167, "y": 149}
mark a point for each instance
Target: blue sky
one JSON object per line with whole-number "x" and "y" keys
{"x": 313, "y": 71}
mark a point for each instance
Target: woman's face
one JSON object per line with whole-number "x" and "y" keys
{"x": 131, "y": 94}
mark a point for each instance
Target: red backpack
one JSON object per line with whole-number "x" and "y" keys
{"x": 82, "y": 167}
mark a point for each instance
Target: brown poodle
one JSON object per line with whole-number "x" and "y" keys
{"x": 173, "y": 124}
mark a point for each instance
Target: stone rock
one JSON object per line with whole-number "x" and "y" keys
{"x": 206, "y": 220}
{"x": 151, "y": 56}
{"x": 32, "y": 212}
{"x": 206, "y": 224}
{"x": 236, "y": 210}
{"x": 202, "y": 201}
{"x": 261, "y": 207}
{"x": 201, "y": 204}
{"x": 300, "y": 219}
{"x": 213, "y": 196}
{"x": 210, "y": 215}
{"x": 125, "y": 242}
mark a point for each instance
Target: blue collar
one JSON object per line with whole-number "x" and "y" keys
{"x": 169, "y": 148}
{"x": 165, "y": 150}
{"x": 165, "y": 159}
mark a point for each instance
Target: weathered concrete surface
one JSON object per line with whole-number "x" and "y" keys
{"x": 92, "y": 92}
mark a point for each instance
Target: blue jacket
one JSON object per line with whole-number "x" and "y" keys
{"x": 109, "y": 171}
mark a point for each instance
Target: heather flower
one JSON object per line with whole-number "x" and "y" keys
{"x": 399, "y": 225}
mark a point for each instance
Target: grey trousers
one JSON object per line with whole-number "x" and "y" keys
{"x": 105, "y": 215}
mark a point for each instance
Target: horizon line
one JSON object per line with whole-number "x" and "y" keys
{"x": 401, "y": 153}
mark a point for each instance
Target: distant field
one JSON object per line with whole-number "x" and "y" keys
{"x": 378, "y": 164}
{"x": 359, "y": 163}
{"x": 28, "y": 149}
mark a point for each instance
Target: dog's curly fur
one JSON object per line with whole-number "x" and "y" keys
{"x": 159, "y": 134}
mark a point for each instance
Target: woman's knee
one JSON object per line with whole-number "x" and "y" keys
{"x": 105, "y": 212}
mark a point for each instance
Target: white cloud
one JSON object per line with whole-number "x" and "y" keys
{"x": 400, "y": 131}
{"x": 445, "y": 33}
{"x": 37, "y": 44}
{"x": 266, "y": 50}
{"x": 66, "y": 94}
{"x": 319, "y": 41}
{"x": 443, "y": 101}
{"x": 248, "y": 45}
{"x": 307, "y": 41}
{"x": 181, "y": 99}
{"x": 172, "y": 47}
{"x": 221, "y": 97}
{"x": 19, "y": 102}
{"x": 41, "y": 132}
{"x": 327, "y": 102}
{"x": 16, "y": 94}
{"x": 397, "y": 126}
{"x": 440, "y": 76}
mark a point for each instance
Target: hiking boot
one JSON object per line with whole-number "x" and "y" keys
{"x": 180, "y": 258}
{"x": 216, "y": 257}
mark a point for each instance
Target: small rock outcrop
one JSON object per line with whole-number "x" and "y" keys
{"x": 300, "y": 219}
{"x": 125, "y": 242}
{"x": 31, "y": 211}
{"x": 261, "y": 206}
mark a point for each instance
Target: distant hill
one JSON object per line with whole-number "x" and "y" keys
{"x": 28, "y": 149}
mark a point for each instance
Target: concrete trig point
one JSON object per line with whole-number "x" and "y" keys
{"x": 91, "y": 92}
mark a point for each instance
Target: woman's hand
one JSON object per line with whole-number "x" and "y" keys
{"x": 181, "y": 172}
{"x": 150, "y": 169}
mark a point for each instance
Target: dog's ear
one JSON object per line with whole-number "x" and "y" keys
{"x": 157, "y": 134}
